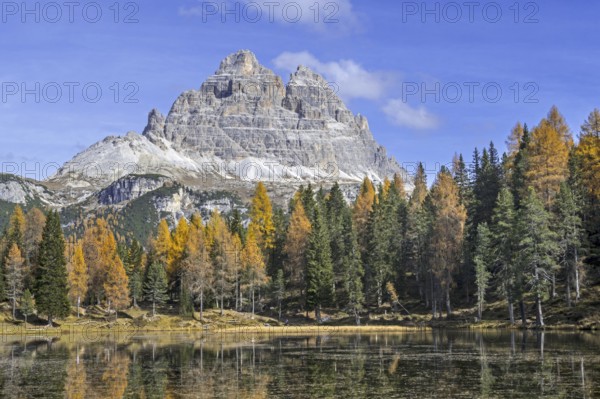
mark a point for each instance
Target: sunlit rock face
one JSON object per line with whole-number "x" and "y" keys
{"x": 243, "y": 125}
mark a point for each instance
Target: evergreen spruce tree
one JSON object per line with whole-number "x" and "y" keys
{"x": 571, "y": 236}
{"x": 336, "y": 210}
{"x": 353, "y": 271}
{"x": 483, "y": 260}
{"x": 520, "y": 168}
{"x": 537, "y": 248}
{"x": 51, "y": 285}
{"x": 27, "y": 305}
{"x": 503, "y": 248}
{"x": 156, "y": 285}
{"x": 379, "y": 257}
{"x": 319, "y": 270}
{"x": 278, "y": 290}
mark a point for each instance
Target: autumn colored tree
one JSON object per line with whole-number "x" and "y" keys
{"x": 197, "y": 266}
{"x": 513, "y": 142}
{"x": 163, "y": 244}
{"x": 261, "y": 218}
{"x": 95, "y": 256}
{"x": 558, "y": 123}
{"x": 14, "y": 235}
{"x": 585, "y": 178}
{"x": 253, "y": 265}
{"x": 548, "y": 162}
{"x": 116, "y": 282}
{"x": 78, "y": 276}
{"x": 295, "y": 248}
{"x": 180, "y": 235}
{"x": 15, "y": 275}
{"x": 224, "y": 254}
{"x": 449, "y": 217}
{"x": 362, "y": 209}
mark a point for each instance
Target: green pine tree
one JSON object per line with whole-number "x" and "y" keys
{"x": 319, "y": 270}
{"x": 353, "y": 270}
{"x": 278, "y": 290}
{"x": 51, "y": 285}
{"x": 571, "y": 235}
{"x": 156, "y": 285}
{"x": 503, "y": 248}
{"x": 336, "y": 209}
{"x": 537, "y": 248}
{"x": 27, "y": 305}
{"x": 483, "y": 261}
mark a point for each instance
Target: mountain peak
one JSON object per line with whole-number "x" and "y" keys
{"x": 242, "y": 62}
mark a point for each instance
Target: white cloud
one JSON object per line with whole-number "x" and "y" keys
{"x": 319, "y": 15}
{"x": 402, "y": 114}
{"x": 350, "y": 78}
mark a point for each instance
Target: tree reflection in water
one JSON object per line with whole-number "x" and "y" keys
{"x": 421, "y": 364}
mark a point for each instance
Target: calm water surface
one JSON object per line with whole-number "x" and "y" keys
{"x": 440, "y": 364}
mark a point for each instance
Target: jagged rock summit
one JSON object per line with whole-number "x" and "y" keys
{"x": 243, "y": 125}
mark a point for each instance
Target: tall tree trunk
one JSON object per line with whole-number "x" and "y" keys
{"x": 222, "y": 307}
{"x": 318, "y": 313}
{"x": 201, "y": 304}
{"x": 357, "y": 316}
{"x": 252, "y": 289}
{"x": 577, "y": 293}
{"x": 511, "y": 314}
{"x": 433, "y": 302}
{"x": 279, "y": 304}
{"x": 14, "y": 306}
{"x": 448, "y": 305}
{"x": 78, "y": 304}
{"x": 153, "y": 308}
{"x": 522, "y": 308}
{"x": 553, "y": 285}
{"x": 569, "y": 289}
{"x": 538, "y": 306}
{"x": 237, "y": 292}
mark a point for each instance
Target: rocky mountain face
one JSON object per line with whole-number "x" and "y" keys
{"x": 242, "y": 126}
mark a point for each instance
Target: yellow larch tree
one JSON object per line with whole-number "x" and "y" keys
{"x": 261, "y": 218}
{"x": 116, "y": 282}
{"x": 295, "y": 247}
{"x": 447, "y": 236}
{"x": 78, "y": 276}
{"x": 588, "y": 153}
{"x": 14, "y": 275}
{"x": 163, "y": 244}
{"x": 362, "y": 209}
{"x": 180, "y": 235}
{"x": 548, "y": 162}
{"x": 253, "y": 265}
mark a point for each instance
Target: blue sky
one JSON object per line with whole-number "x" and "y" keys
{"x": 381, "y": 55}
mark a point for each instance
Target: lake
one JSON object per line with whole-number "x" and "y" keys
{"x": 436, "y": 364}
